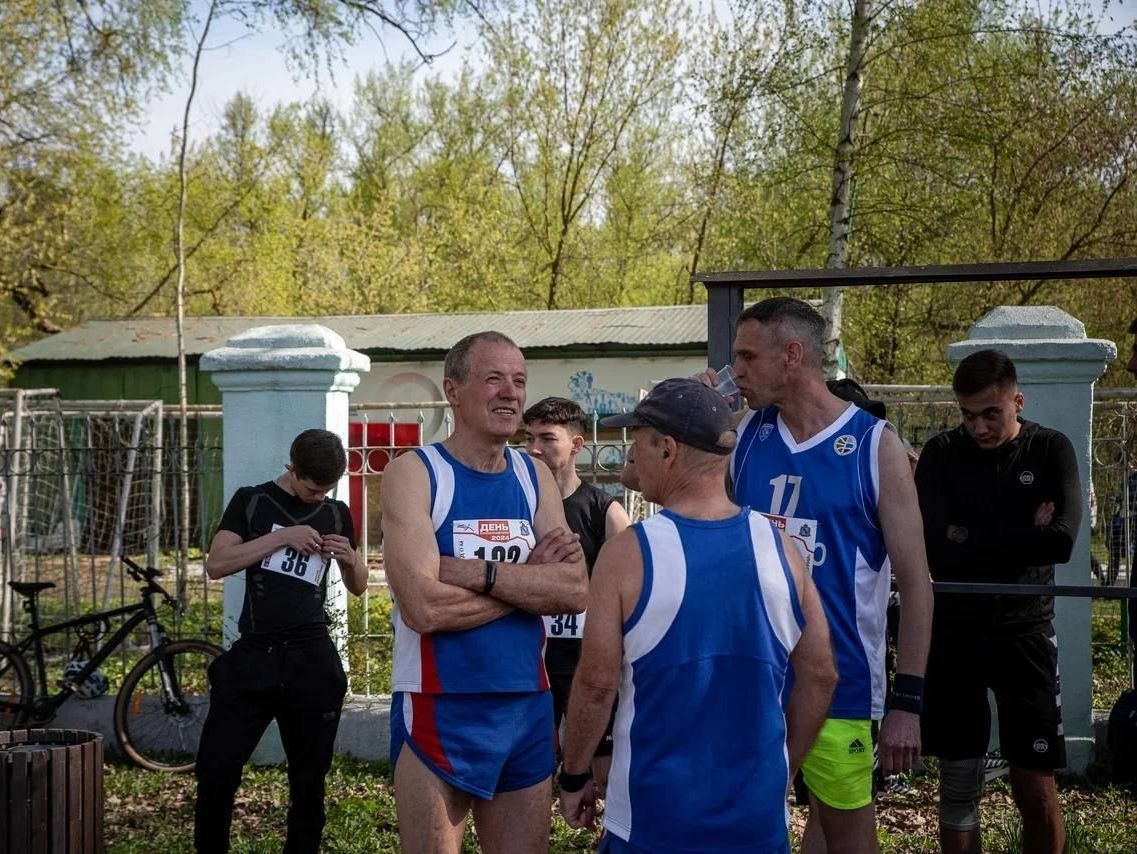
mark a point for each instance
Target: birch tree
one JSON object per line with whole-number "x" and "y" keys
{"x": 840, "y": 213}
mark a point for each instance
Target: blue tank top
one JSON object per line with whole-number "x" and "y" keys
{"x": 480, "y": 516}
{"x": 824, "y": 491}
{"x": 699, "y": 760}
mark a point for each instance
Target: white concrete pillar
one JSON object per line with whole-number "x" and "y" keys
{"x": 1057, "y": 367}
{"x": 275, "y": 382}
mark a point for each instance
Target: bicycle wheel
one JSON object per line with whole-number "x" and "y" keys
{"x": 161, "y": 707}
{"x": 15, "y": 687}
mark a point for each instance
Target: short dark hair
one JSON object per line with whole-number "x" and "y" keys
{"x": 983, "y": 369}
{"x": 807, "y": 323}
{"x": 318, "y": 456}
{"x": 1133, "y": 327}
{"x": 557, "y": 410}
{"x": 457, "y": 364}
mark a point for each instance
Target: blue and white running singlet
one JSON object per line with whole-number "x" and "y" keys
{"x": 825, "y": 492}
{"x": 699, "y": 760}
{"x": 483, "y": 516}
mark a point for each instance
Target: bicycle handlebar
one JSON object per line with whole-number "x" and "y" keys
{"x": 146, "y": 576}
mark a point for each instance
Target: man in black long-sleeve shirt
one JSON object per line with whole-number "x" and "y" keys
{"x": 1002, "y": 503}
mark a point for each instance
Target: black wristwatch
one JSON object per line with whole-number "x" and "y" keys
{"x": 572, "y": 782}
{"x": 491, "y": 577}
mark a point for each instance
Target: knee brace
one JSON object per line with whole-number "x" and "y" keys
{"x": 961, "y": 786}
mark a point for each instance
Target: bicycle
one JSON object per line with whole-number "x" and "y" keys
{"x": 160, "y": 708}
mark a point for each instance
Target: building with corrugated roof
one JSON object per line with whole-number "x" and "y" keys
{"x": 600, "y": 357}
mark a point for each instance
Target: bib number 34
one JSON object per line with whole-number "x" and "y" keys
{"x": 568, "y": 626}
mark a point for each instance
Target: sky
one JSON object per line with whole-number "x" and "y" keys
{"x": 255, "y": 64}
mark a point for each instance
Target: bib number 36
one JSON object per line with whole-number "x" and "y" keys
{"x": 289, "y": 562}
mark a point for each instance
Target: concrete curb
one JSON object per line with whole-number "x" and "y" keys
{"x": 364, "y": 733}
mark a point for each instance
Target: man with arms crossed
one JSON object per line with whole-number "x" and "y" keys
{"x": 554, "y": 433}
{"x": 1002, "y": 503}
{"x": 696, "y": 614}
{"x": 842, "y": 480}
{"x": 475, "y": 548}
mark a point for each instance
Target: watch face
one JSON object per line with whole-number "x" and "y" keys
{"x": 957, "y": 533}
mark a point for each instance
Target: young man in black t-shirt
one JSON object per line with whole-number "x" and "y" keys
{"x": 283, "y": 535}
{"x": 1001, "y": 502}
{"x": 554, "y": 434}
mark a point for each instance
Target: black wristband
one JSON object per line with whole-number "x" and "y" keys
{"x": 907, "y": 693}
{"x": 491, "y": 577}
{"x": 572, "y": 782}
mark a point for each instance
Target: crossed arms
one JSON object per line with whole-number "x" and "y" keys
{"x": 438, "y": 593}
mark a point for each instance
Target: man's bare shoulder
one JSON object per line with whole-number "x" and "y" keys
{"x": 621, "y": 551}
{"x": 405, "y": 465}
{"x": 404, "y": 479}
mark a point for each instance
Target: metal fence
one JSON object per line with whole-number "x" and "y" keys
{"x": 919, "y": 412}
{"x": 81, "y": 480}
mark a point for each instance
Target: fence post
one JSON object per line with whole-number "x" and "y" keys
{"x": 276, "y": 381}
{"x": 1057, "y": 366}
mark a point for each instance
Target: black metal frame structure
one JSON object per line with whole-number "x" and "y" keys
{"x": 725, "y": 291}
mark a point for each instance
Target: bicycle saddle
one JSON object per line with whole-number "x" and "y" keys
{"x": 30, "y": 588}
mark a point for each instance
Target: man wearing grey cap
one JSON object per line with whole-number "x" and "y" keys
{"x": 694, "y": 616}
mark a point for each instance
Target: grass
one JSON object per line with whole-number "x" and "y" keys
{"x": 1110, "y": 658}
{"x": 148, "y": 812}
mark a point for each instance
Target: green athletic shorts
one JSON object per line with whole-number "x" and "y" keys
{"x": 839, "y": 767}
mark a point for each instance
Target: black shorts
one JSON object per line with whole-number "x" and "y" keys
{"x": 560, "y": 684}
{"x": 1021, "y": 671}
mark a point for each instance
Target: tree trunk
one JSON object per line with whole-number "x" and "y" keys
{"x": 712, "y": 195}
{"x": 183, "y": 398}
{"x": 840, "y": 215}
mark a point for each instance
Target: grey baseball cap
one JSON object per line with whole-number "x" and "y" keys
{"x": 687, "y": 411}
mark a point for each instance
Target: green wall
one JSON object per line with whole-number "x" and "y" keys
{"x": 117, "y": 379}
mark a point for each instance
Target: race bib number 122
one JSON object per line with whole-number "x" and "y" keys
{"x": 499, "y": 540}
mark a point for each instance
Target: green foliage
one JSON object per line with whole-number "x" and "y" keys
{"x": 585, "y": 91}
{"x": 1109, "y": 652}
{"x": 371, "y": 651}
{"x": 601, "y": 152}
{"x": 73, "y": 71}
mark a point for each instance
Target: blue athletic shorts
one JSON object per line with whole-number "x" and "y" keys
{"x": 479, "y": 743}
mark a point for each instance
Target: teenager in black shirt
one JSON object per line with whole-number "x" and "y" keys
{"x": 1002, "y": 503}
{"x": 554, "y": 433}
{"x": 283, "y": 534}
